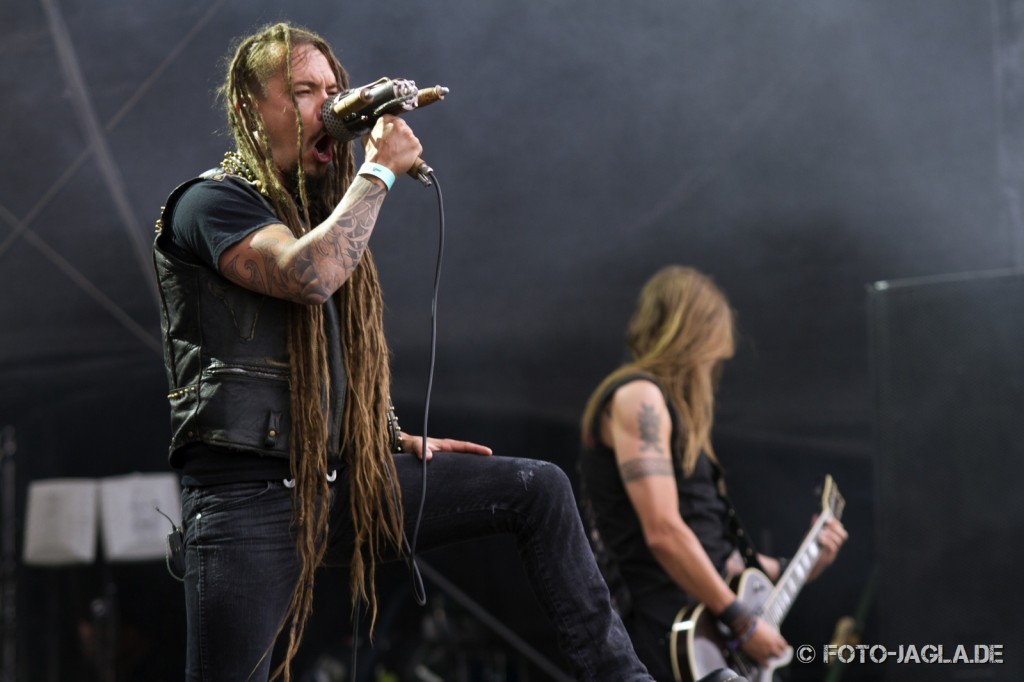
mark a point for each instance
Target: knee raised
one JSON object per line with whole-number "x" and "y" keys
{"x": 544, "y": 479}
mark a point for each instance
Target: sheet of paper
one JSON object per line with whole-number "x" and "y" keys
{"x": 60, "y": 522}
{"x": 131, "y": 527}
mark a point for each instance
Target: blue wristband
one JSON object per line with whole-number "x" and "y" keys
{"x": 378, "y": 171}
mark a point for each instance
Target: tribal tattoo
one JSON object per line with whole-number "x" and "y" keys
{"x": 642, "y": 467}
{"x": 647, "y": 426}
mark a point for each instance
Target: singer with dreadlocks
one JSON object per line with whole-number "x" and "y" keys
{"x": 282, "y": 424}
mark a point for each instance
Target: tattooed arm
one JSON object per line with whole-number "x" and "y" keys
{"x": 639, "y": 429}
{"x": 308, "y": 270}
{"x": 272, "y": 261}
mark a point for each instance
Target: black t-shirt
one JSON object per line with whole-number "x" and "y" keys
{"x": 213, "y": 215}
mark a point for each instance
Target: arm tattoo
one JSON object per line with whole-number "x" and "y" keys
{"x": 647, "y": 426}
{"x": 341, "y": 244}
{"x": 643, "y": 467}
{"x": 326, "y": 257}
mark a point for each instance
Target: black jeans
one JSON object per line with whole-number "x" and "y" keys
{"x": 241, "y": 561}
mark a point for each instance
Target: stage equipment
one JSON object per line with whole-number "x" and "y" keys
{"x": 948, "y": 379}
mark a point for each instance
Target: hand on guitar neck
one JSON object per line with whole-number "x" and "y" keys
{"x": 830, "y": 538}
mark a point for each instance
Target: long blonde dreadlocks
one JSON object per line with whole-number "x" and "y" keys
{"x": 376, "y": 516}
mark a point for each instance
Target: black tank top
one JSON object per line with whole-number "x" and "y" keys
{"x": 627, "y": 562}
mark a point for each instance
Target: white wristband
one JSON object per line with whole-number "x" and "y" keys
{"x": 378, "y": 171}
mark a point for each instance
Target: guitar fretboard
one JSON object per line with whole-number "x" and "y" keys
{"x": 792, "y": 580}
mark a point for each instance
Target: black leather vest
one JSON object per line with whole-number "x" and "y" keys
{"x": 225, "y": 352}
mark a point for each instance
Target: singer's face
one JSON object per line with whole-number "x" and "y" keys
{"x": 313, "y": 82}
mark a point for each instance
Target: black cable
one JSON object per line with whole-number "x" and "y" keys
{"x": 419, "y": 592}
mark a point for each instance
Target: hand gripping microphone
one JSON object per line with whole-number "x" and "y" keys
{"x": 352, "y": 113}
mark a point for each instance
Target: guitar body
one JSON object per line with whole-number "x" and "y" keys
{"x": 699, "y": 644}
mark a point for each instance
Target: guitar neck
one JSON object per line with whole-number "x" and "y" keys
{"x": 793, "y": 579}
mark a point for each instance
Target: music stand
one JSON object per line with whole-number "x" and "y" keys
{"x": 67, "y": 517}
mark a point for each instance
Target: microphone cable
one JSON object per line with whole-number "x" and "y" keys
{"x": 419, "y": 591}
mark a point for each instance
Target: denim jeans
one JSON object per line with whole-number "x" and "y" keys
{"x": 241, "y": 560}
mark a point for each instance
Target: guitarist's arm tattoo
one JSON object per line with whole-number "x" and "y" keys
{"x": 642, "y": 467}
{"x": 324, "y": 258}
{"x": 647, "y": 423}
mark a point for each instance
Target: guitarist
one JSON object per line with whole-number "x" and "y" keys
{"x": 652, "y": 491}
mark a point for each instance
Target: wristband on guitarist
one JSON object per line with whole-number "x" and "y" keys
{"x": 740, "y": 620}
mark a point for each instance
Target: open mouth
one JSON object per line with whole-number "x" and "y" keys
{"x": 323, "y": 149}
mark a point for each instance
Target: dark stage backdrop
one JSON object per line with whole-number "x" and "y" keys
{"x": 796, "y": 151}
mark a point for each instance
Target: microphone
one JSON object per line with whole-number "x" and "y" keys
{"x": 352, "y": 113}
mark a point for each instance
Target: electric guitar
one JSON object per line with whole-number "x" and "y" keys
{"x": 698, "y": 642}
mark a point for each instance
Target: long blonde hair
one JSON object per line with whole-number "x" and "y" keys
{"x": 376, "y": 515}
{"x": 680, "y": 333}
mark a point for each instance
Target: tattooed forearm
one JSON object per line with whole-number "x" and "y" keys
{"x": 642, "y": 467}
{"x": 647, "y": 423}
{"x": 332, "y": 251}
{"x": 311, "y": 269}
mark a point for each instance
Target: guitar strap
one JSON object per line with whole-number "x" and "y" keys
{"x": 739, "y": 534}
